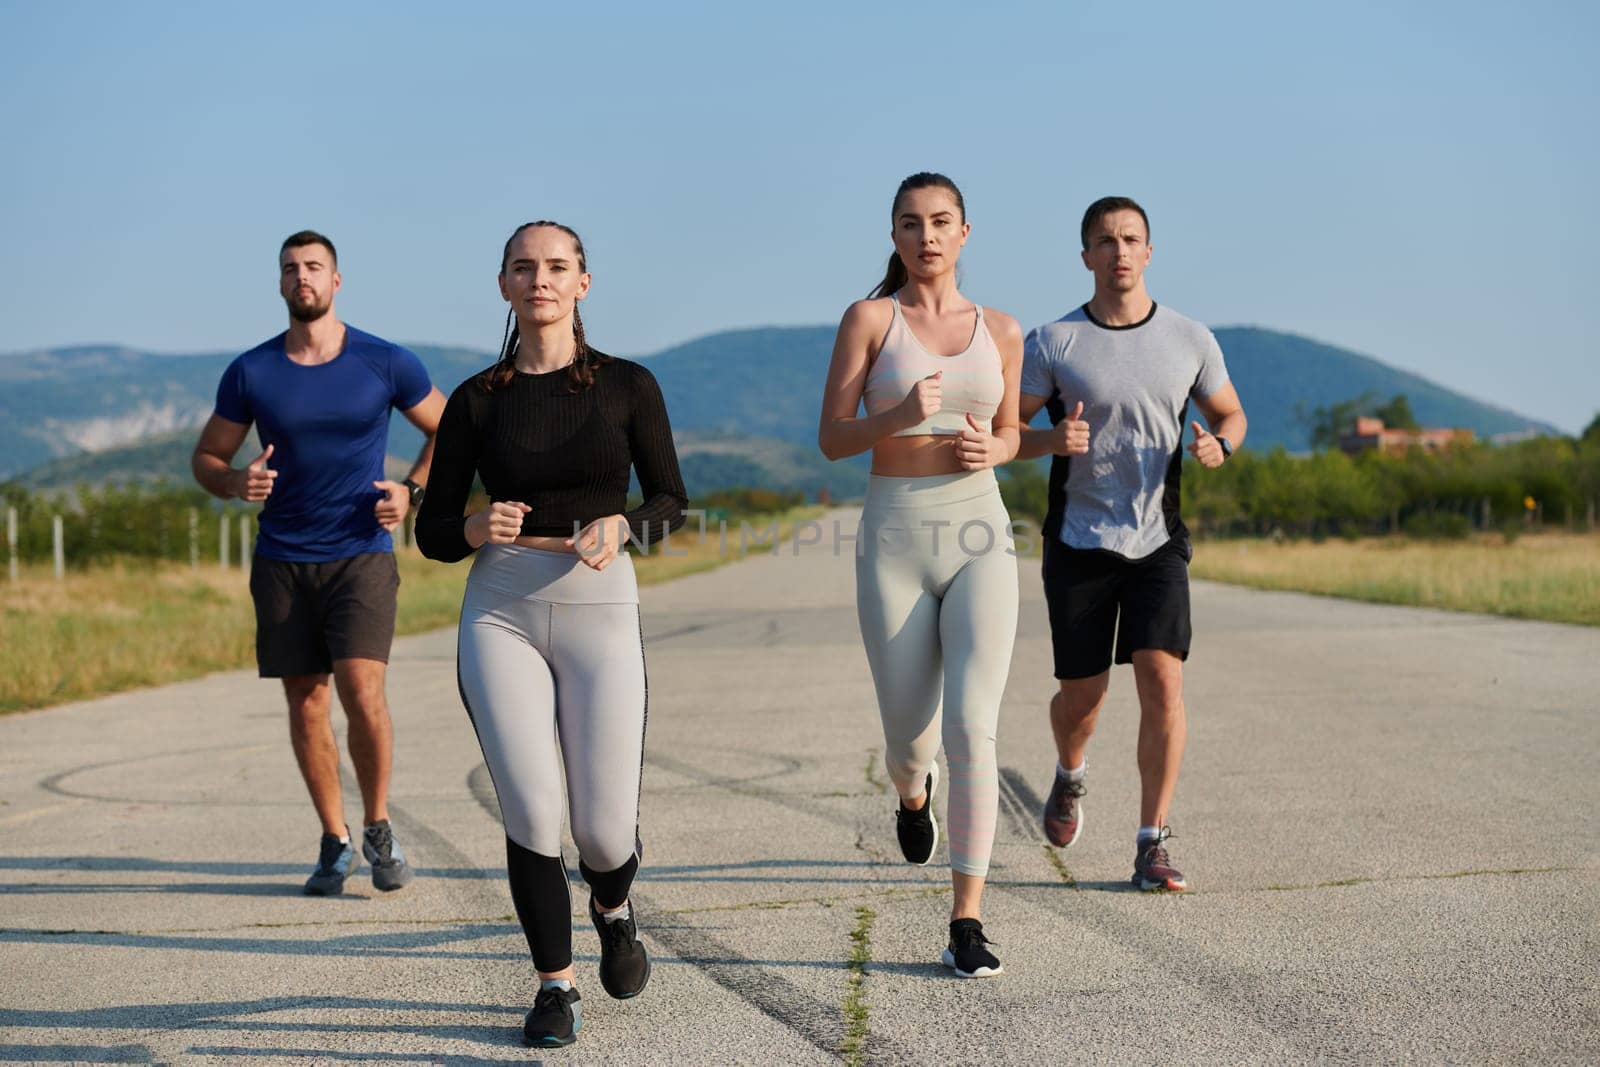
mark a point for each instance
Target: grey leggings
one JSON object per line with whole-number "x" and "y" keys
{"x": 551, "y": 665}
{"x": 936, "y": 596}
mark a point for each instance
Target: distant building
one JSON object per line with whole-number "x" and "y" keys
{"x": 1370, "y": 433}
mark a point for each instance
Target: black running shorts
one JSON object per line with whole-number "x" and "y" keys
{"x": 1099, "y": 601}
{"x": 310, "y": 614}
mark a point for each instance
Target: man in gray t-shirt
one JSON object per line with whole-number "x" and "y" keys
{"x": 1117, "y": 375}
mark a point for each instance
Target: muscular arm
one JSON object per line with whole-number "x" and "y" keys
{"x": 212, "y": 462}
{"x": 1034, "y": 443}
{"x": 1069, "y": 437}
{"x": 1224, "y": 414}
{"x": 425, "y": 417}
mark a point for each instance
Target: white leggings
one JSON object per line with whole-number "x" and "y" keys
{"x": 551, "y": 665}
{"x": 936, "y": 596}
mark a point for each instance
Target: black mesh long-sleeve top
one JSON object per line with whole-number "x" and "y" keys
{"x": 564, "y": 453}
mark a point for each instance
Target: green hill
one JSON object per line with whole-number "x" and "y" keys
{"x": 1279, "y": 375}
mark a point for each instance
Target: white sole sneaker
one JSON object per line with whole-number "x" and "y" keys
{"x": 949, "y": 960}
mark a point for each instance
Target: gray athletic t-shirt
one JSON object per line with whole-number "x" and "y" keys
{"x": 1135, "y": 383}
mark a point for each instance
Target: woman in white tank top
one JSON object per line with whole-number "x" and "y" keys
{"x": 936, "y": 578}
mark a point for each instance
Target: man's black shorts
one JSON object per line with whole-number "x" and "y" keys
{"x": 310, "y": 614}
{"x": 1086, "y": 591}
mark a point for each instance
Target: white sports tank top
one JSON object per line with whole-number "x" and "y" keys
{"x": 972, "y": 381}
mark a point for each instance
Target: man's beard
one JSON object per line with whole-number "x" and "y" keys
{"x": 307, "y": 312}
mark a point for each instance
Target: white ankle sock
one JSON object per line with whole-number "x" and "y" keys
{"x": 617, "y": 916}
{"x": 1148, "y": 834}
{"x": 554, "y": 983}
{"x": 1074, "y": 775}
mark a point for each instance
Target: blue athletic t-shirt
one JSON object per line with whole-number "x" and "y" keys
{"x": 329, "y": 428}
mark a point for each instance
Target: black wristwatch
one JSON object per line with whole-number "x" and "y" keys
{"x": 1227, "y": 447}
{"x": 416, "y": 491}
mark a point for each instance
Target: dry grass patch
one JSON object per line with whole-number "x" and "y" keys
{"x": 1550, "y": 576}
{"x": 138, "y": 622}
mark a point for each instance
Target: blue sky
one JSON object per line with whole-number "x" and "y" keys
{"x": 1416, "y": 182}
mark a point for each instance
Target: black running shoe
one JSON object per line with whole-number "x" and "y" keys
{"x": 1152, "y": 869}
{"x": 1063, "y": 812}
{"x": 336, "y": 861}
{"x": 967, "y": 954}
{"x": 624, "y": 964}
{"x": 389, "y": 867}
{"x": 919, "y": 830}
{"x": 555, "y": 1019}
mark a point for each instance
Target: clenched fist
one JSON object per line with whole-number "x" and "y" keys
{"x": 923, "y": 401}
{"x": 499, "y": 524}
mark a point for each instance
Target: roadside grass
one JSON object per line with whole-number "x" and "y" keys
{"x": 1550, "y": 576}
{"x": 135, "y": 622}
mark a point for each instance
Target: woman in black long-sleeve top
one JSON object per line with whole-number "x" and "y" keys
{"x": 550, "y": 658}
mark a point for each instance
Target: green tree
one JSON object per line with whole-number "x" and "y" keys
{"x": 1327, "y": 422}
{"x": 1396, "y": 414}
{"x": 1024, "y": 486}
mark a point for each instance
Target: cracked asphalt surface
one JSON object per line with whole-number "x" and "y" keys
{"x": 1387, "y": 815}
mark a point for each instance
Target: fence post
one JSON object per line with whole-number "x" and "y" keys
{"x": 60, "y": 548}
{"x": 11, "y": 539}
{"x": 194, "y": 539}
{"x": 222, "y": 541}
{"x": 244, "y": 542}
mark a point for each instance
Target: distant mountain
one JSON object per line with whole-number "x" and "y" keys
{"x": 1278, "y": 374}
{"x": 762, "y": 385}
{"x": 709, "y": 461}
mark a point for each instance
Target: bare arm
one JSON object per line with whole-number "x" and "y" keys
{"x": 425, "y": 417}
{"x": 396, "y": 501}
{"x": 841, "y": 432}
{"x": 1225, "y": 417}
{"x": 1069, "y": 437}
{"x": 212, "y": 462}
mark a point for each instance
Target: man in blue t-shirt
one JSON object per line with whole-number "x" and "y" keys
{"x": 324, "y": 578}
{"x": 1118, "y": 375}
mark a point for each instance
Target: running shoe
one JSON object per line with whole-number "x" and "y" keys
{"x": 1063, "y": 814}
{"x": 968, "y": 955}
{"x": 389, "y": 867}
{"x": 336, "y": 861}
{"x": 919, "y": 830}
{"x": 555, "y": 1019}
{"x": 624, "y": 964}
{"x": 1152, "y": 869}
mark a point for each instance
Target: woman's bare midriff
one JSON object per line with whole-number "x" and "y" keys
{"x": 916, "y": 456}
{"x": 547, "y": 543}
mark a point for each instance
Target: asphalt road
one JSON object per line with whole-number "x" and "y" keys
{"x": 1387, "y": 816}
